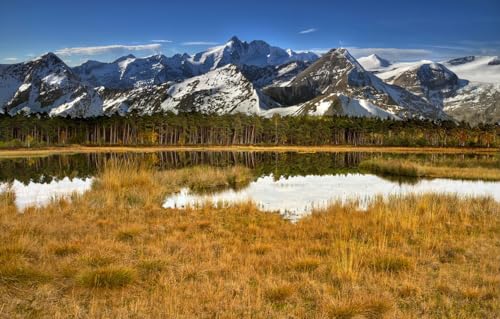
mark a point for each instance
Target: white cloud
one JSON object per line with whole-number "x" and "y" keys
{"x": 199, "y": 43}
{"x": 463, "y": 48}
{"x": 161, "y": 41}
{"x": 11, "y": 59}
{"x": 319, "y": 51}
{"x": 106, "y": 49}
{"x": 392, "y": 54}
{"x": 311, "y": 30}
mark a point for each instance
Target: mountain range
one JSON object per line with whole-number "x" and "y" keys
{"x": 257, "y": 78}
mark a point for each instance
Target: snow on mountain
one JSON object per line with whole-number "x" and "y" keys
{"x": 131, "y": 72}
{"x": 466, "y": 88}
{"x": 255, "y": 53}
{"x": 46, "y": 85}
{"x": 271, "y": 75}
{"x": 338, "y": 84}
{"x": 482, "y": 69}
{"x": 221, "y": 91}
{"x": 431, "y": 81}
{"x": 475, "y": 103}
{"x": 142, "y": 100}
{"x": 256, "y": 78}
{"x": 373, "y": 62}
{"x": 11, "y": 80}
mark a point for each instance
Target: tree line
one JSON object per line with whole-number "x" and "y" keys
{"x": 199, "y": 129}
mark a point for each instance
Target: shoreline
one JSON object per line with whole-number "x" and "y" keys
{"x": 77, "y": 149}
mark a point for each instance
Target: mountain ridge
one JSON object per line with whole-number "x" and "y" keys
{"x": 253, "y": 78}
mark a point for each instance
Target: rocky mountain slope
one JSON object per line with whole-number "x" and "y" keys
{"x": 467, "y": 88}
{"x": 431, "y": 81}
{"x": 46, "y": 85}
{"x": 130, "y": 72}
{"x": 237, "y": 52}
{"x": 221, "y": 91}
{"x": 338, "y": 84}
{"x": 255, "y": 78}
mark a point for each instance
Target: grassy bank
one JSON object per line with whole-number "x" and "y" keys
{"x": 475, "y": 169}
{"x": 114, "y": 252}
{"x": 24, "y": 152}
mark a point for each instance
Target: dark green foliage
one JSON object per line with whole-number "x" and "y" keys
{"x": 199, "y": 129}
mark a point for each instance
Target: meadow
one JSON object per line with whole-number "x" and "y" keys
{"x": 457, "y": 168}
{"x": 115, "y": 252}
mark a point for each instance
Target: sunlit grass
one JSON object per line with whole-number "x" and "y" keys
{"x": 110, "y": 277}
{"x": 114, "y": 252}
{"x": 484, "y": 170}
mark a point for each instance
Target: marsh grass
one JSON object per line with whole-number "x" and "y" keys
{"x": 15, "y": 273}
{"x": 110, "y": 277}
{"x": 456, "y": 169}
{"x": 102, "y": 256}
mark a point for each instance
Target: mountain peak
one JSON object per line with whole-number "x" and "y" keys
{"x": 49, "y": 58}
{"x": 348, "y": 56}
{"x": 374, "y": 62}
{"x": 494, "y": 61}
{"x": 126, "y": 57}
{"x": 462, "y": 60}
{"x": 234, "y": 39}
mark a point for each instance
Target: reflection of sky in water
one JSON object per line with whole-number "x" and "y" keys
{"x": 295, "y": 197}
{"x": 40, "y": 194}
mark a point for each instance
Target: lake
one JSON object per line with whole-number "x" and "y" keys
{"x": 292, "y": 184}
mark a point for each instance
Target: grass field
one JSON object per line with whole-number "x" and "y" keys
{"x": 5, "y": 153}
{"x": 474, "y": 169}
{"x": 115, "y": 253}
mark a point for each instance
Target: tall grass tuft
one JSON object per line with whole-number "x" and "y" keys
{"x": 109, "y": 277}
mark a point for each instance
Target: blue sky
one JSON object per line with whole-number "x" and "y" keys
{"x": 105, "y": 30}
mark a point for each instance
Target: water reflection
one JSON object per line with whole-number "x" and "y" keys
{"x": 38, "y": 179}
{"x": 45, "y": 169}
{"x": 295, "y": 197}
{"x": 36, "y": 194}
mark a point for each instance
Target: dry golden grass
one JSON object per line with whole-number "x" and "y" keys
{"x": 79, "y": 149}
{"x": 404, "y": 167}
{"x": 115, "y": 253}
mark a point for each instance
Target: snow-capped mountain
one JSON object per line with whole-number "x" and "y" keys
{"x": 256, "y": 78}
{"x": 432, "y": 81}
{"x": 467, "y": 88}
{"x": 475, "y": 103}
{"x": 46, "y": 85}
{"x": 373, "y": 62}
{"x": 142, "y": 100}
{"x": 130, "y": 72}
{"x": 279, "y": 75}
{"x": 482, "y": 69}
{"x": 221, "y": 91}
{"x": 478, "y": 99}
{"x": 237, "y": 52}
{"x": 338, "y": 84}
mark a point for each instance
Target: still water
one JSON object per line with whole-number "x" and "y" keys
{"x": 295, "y": 197}
{"x": 35, "y": 194}
{"x": 290, "y": 183}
